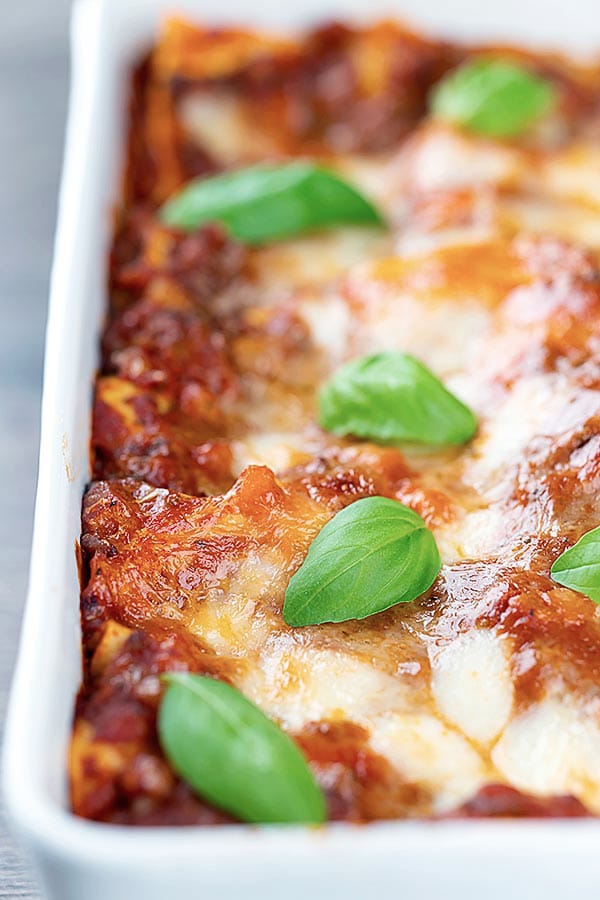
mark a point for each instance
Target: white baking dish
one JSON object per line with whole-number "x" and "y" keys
{"x": 81, "y": 860}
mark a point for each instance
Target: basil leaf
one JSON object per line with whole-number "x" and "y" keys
{"x": 492, "y": 97}
{"x": 270, "y": 202}
{"x": 373, "y": 554}
{"x": 393, "y": 397}
{"x": 233, "y": 755}
{"x": 578, "y": 567}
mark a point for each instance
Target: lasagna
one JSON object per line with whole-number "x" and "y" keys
{"x": 212, "y": 476}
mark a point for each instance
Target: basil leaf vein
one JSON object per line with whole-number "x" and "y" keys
{"x": 392, "y": 397}
{"x": 232, "y": 755}
{"x": 270, "y": 202}
{"x": 373, "y": 554}
{"x": 493, "y": 97}
{"x": 578, "y": 567}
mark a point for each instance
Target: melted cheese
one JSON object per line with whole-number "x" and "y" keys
{"x": 473, "y": 673}
{"x": 468, "y": 733}
{"x": 556, "y": 742}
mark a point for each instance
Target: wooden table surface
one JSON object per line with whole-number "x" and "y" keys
{"x": 33, "y": 92}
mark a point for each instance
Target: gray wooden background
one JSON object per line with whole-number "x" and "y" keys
{"x": 33, "y": 93}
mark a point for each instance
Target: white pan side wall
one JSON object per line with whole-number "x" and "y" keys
{"x": 87, "y": 861}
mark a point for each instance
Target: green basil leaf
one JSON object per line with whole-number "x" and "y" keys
{"x": 373, "y": 554}
{"x": 578, "y": 567}
{"x": 270, "y": 202}
{"x": 492, "y": 97}
{"x": 392, "y": 397}
{"x": 233, "y": 755}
